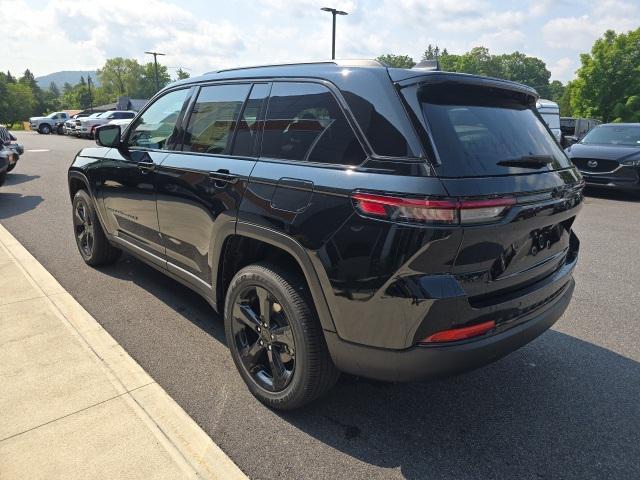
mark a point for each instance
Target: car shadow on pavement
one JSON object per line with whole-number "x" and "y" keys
{"x": 172, "y": 293}
{"x": 12, "y": 204}
{"x": 18, "y": 178}
{"x": 559, "y": 408}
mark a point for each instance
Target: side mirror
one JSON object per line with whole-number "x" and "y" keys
{"x": 108, "y": 136}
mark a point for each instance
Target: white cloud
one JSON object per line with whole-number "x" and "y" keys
{"x": 579, "y": 32}
{"x": 563, "y": 69}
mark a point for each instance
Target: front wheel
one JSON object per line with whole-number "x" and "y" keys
{"x": 12, "y": 166}
{"x": 45, "y": 129}
{"x": 3, "y": 177}
{"x": 92, "y": 243}
{"x": 275, "y": 338}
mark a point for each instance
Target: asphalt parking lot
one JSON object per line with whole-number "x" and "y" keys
{"x": 565, "y": 406}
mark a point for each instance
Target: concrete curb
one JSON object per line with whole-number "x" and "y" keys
{"x": 190, "y": 448}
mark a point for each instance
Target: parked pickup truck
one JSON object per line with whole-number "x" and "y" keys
{"x": 45, "y": 125}
{"x": 85, "y": 127}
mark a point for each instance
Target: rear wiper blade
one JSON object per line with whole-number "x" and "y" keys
{"x": 527, "y": 161}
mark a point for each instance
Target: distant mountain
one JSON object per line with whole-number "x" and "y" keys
{"x": 72, "y": 77}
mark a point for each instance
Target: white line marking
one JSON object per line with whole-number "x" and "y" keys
{"x": 39, "y": 150}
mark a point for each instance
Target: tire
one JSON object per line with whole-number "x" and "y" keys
{"x": 302, "y": 353}
{"x": 60, "y": 130}
{"x": 92, "y": 243}
{"x": 44, "y": 129}
{"x": 3, "y": 177}
{"x": 11, "y": 167}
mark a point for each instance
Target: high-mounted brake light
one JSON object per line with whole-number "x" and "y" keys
{"x": 444, "y": 211}
{"x": 460, "y": 333}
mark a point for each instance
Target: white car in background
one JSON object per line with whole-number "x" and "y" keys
{"x": 85, "y": 127}
{"x": 550, "y": 113}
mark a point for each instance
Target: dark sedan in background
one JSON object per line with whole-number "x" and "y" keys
{"x": 609, "y": 156}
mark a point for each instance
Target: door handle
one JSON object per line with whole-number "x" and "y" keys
{"x": 223, "y": 176}
{"x": 147, "y": 167}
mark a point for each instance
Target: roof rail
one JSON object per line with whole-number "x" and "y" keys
{"x": 340, "y": 62}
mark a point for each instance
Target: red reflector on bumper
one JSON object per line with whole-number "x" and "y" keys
{"x": 460, "y": 333}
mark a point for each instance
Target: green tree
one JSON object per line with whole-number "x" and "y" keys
{"x": 28, "y": 80}
{"x": 628, "y": 111}
{"x": 121, "y": 76}
{"x": 147, "y": 85}
{"x": 480, "y": 62}
{"x": 397, "y": 61}
{"x": 181, "y": 74}
{"x": 608, "y": 76}
{"x": 20, "y": 103}
{"x": 521, "y": 68}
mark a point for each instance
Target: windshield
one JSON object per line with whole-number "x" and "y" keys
{"x": 614, "y": 135}
{"x": 94, "y": 115}
{"x": 51, "y": 115}
{"x": 479, "y": 131}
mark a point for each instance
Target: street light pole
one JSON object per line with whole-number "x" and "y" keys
{"x": 333, "y": 12}
{"x": 90, "y": 98}
{"x": 155, "y": 62}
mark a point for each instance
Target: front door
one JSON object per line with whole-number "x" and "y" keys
{"x": 128, "y": 187}
{"x": 200, "y": 188}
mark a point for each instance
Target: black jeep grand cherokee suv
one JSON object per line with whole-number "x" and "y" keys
{"x": 395, "y": 224}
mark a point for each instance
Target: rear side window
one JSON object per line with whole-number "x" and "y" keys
{"x": 213, "y": 119}
{"x": 305, "y": 123}
{"x": 248, "y": 126}
{"x": 480, "y": 131}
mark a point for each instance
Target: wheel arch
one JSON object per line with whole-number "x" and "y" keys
{"x": 253, "y": 243}
{"x": 78, "y": 181}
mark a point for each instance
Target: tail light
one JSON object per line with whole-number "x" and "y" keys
{"x": 440, "y": 211}
{"x": 460, "y": 333}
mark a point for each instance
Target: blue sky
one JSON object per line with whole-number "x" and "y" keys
{"x": 204, "y": 35}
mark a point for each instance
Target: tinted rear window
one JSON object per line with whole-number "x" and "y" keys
{"x": 305, "y": 123}
{"x": 480, "y": 131}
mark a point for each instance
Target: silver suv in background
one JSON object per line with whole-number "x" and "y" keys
{"x": 85, "y": 127}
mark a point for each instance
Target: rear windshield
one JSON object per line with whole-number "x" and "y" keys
{"x": 614, "y": 135}
{"x": 479, "y": 131}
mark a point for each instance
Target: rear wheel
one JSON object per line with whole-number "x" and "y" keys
{"x": 45, "y": 129}
{"x": 275, "y": 339}
{"x": 92, "y": 243}
{"x": 11, "y": 167}
{"x": 3, "y": 177}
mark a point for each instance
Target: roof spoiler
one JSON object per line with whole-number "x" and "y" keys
{"x": 428, "y": 65}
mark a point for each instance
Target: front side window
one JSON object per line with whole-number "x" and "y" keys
{"x": 156, "y": 127}
{"x": 305, "y": 123}
{"x": 213, "y": 119}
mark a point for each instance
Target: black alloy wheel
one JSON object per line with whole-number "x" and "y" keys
{"x": 83, "y": 226}
{"x": 264, "y": 338}
{"x": 90, "y": 237}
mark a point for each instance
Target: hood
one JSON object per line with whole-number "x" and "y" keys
{"x": 35, "y": 118}
{"x": 604, "y": 152}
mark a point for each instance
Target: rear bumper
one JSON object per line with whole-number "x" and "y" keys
{"x": 433, "y": 361}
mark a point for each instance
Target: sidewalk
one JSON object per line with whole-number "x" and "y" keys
{"x": 73, "y": 403}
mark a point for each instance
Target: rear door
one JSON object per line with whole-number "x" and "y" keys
{"x": 491, "y": 143}
{"x": 200, "y": 186}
